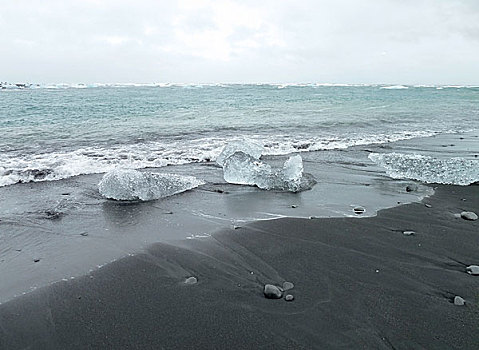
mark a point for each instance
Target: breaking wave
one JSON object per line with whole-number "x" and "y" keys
{"x": 21, "y": 86}
{"x": 19, "y": 168}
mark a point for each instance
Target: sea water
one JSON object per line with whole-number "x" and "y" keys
{"x": 51, "y": 132}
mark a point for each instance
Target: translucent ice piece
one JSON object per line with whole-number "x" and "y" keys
{"x": 455, "y": 171}
{"x": 250, "y": 148}
{"x": 129, "y": 184}
{"x": 293, "y": 172}
{"x": 241, "y": 168}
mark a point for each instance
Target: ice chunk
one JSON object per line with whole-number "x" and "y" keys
{"x": 241, "y": 168}
{"x": 129, "y": 184}
{"x": 293, "y": 171}
{"x": 250, "y": 148}
{"x": 454, "y": 171}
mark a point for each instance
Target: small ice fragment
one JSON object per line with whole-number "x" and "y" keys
{"x": 191, "y": 280}
{"x": 469, "y": 215}
{"x": 129, "y": 184}
{"x": 250, "y": 148}
{"x": 272, "y": 292}
{"x": 408, "y": 233}
{"x": 473, "y": 270}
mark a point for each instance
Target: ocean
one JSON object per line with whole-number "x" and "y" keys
{"x": 55, "y": 132}
{"x": 363, "y": 146}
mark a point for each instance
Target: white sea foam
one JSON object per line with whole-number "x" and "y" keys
{"x": 15, "y": 168}
{"x": 455, "y": 171}
{"x": 12, "y": 87}
{"x": 394, "y": 87}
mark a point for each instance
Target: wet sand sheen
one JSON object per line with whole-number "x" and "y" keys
{"x": 358, "y": 283}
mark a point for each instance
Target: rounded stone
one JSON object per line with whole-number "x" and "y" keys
{"x": 272, "y": 292}
{"x": 458, "y": 300}
{"x": 408, "y": 233}
{"x": 473, "y": 270}
{"x": 191, "y": 280}
{"x": 411, "y": 188}
{"x": 288, "y": 286}
{"x": 289, "y": 297}
{"x": 359, "y": 210}
{"x": 469, "y": 215}
{"x": 427, "y": 205}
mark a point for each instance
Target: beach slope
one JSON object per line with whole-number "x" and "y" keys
{"x": 358, "y": 283}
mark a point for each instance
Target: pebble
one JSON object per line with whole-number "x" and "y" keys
{"x": 428, "y": 205}
{"x": 294, "y": 206}
{"x": 289, "y": 297}
{"x": 359, "y": 210}
{"x": 458, "y": 300}
{"x": 469, "y": 215}
{"x": 272, "y": 292}
{"x": 473, "y": 270}
{"x": 36, "y": 260}
{"x": 411, "y": 188}
{"x": 408, "y": 233}
{"x": 191, "y": 280}
{"x": 288, "y": 285}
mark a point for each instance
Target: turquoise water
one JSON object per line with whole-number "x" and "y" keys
{"x": 53, "y": 133}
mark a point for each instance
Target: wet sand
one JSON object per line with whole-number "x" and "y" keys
{"x": 358, "y": 283}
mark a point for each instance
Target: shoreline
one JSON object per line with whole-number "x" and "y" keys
{"x": 359, "y": 282}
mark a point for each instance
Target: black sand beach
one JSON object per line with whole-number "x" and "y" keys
{"x": 358, "y": 283}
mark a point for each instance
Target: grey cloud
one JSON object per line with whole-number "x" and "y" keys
{"x": 391, "y": 41}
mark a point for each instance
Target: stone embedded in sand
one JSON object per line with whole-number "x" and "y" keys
{"x": 287, "y": 286}
{"x": 359, "y": 210}
{"x": 428, "y": 205}
{"x": 469, "y": 215}
{"x": 408, "y": 233}
{"x": 272, "y": 292}
{"x": 411, "y": 188}
{"x": 191, "y": 280}
{"x": 458, "y": 300}
{"x": 289, "y": 297}
{"x": 473, "y": 270}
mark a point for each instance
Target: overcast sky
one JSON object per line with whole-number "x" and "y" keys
{"x": 337, "y": 41}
